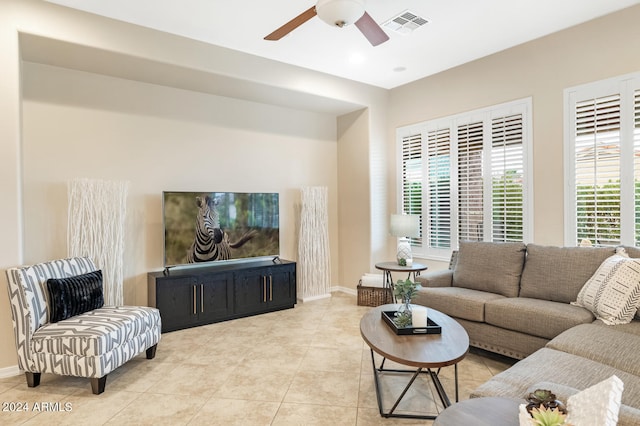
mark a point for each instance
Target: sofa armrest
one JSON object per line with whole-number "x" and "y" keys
{"x": 442, "y": 278}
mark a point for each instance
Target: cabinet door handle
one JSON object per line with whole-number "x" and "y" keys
{"x": 194, "y": 299}
{"x": 264, "y": 288}
{"x": 270, "y": 287}
{"x": 201, "y": 297}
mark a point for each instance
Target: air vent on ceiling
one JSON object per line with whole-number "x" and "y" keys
{"x": 405, "y": 22}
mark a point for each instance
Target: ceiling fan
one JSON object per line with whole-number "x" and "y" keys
{"x": 339, "y": 13}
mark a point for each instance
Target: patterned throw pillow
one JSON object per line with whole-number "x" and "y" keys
{"x": 613, "y": 292}
{"x": 74, "y": 295}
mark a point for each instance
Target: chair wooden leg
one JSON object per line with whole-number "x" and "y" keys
{"x": 151, "y": 352}
{"x": 33, "y": 379}
{"x": 98, "y": 384}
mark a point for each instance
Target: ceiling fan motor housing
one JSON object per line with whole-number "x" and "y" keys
{"x": 340, "y": 12}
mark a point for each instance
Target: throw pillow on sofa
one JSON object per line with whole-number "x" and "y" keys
{"x": 75, "y": 295}
{"x": 613, "y": 292}
{"x": 634, "y": 252}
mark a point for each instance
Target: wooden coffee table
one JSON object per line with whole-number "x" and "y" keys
{"x": 426, "y": 353}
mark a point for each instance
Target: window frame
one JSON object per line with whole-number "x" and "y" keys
{"x": 452, "y": 122}
{"x": 626, "y": 87}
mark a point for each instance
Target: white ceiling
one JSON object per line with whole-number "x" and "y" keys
{"x": 459, "y": 31}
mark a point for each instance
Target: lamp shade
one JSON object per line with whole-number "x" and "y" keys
{"x": 405, "y": 225}
{"x": 340, "y": 12}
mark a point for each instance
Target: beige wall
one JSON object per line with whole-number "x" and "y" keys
{"x": 353, "y": 184}
{"x": 77, "y": 124}
{"x": 10, "y": 213}
{"x": 541, "y": 69}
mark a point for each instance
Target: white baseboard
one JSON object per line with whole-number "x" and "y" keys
{"x": 347, "y": 290}
{"x": 9, "y": 372}
{"x": 309, "y": 299}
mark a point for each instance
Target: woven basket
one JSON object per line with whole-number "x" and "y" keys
{"x": 373, "y": 296}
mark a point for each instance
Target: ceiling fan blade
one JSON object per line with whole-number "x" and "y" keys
{"x": 292, "y": 24}
{"x": 371, "y": 30}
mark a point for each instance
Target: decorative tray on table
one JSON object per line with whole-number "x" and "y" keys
{"x": 431, "y": 328}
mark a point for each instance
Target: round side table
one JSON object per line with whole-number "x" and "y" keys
{"x": 388, "y": 267}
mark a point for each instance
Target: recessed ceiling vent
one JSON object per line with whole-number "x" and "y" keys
{"x": 405, "y": 23}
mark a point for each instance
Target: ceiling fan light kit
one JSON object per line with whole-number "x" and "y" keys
{"x": 340, "y": 12}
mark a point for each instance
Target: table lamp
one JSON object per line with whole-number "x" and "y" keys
{"x": 404, "y": 226}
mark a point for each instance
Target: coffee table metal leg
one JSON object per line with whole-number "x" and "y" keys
{"x": 439, "y": 388}
{"x": 455, "y": 372}
{"x": 434, "y": 378}
{"x": 375, "y": 381}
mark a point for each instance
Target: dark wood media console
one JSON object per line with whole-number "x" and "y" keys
{"x": 196, "y": 296}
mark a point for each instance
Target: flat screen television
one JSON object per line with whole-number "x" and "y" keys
{"x": 219, "y": 226}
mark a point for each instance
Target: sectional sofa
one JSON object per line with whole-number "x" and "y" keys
{"x": 551, "y": 308}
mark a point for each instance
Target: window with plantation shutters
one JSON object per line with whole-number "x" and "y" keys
{"x": 467, "y": 177}
{"x": 412, "y": 177}
{"x": 438, "y": 197}
{"x": 507, "y": 177}
{"x": 597, "y": 170}
{"x": 470, "y": 182}
{"x": 602, "y": 150}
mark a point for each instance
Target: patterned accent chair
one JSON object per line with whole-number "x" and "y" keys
{"x": 91, "y": 344}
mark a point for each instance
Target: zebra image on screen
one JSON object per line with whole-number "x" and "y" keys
{"x": 211, "y": 242}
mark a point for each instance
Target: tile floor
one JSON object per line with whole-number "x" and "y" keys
{"x": 301, "y": 366}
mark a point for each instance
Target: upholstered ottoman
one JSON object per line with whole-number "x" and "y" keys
{"x": 51, "y": 338}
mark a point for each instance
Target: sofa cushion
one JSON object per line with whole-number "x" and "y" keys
{"x": 613, "y": 292}
{"x": 558, "y": 273}
{"x": 455, "y": 301}
{"x": 74, "y": 295}
{"x": 492, "y": 267}
{"x": 97, "y": 332}
{"x": 632, "y": 328}
{"x": 604, "y": 344}
{"x": 511, "y": 343}
{"x": 537, "y": 317}
{"x": 550, "y": 365}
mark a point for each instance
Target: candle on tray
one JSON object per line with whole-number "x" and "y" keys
{"x": 419, "y": 316}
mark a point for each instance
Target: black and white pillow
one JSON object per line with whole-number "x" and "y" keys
{"x": 74, "y": 295}
{"x": 612, "y": 294}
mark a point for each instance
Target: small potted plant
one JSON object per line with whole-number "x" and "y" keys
{"x": 545, "y": 398}
{"x": 405, "y": 290}
{"x": 548, "y": 417}
{"x": 543, "y": 409}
